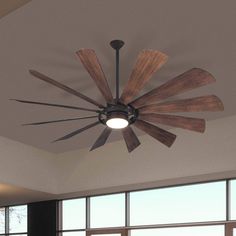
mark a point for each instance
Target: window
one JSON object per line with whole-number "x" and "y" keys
{"x": 187, "y": 210}
{"x": 17, "y": 218}
{"x": 181, "y": 231}
{"x": 233, "y": 199}
{"x": 2, "y": 220}
{"x": 106, "y": 235}
{"x": 74, "y": 214}
{"x": 79, "y": 233}
{"x": 192, "y": 203}
{"x": 110, "y": 232}
{"x": 107, "y": 211}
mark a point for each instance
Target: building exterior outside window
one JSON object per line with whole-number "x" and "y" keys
{"x": 13, "y": 220}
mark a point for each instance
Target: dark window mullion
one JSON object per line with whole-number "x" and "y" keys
{"x": 127, "y": 209}
{"x": 7, "y": 229}
{"x": 87, "y": 212}
{"x": 228, "y": 200}
{"x": 59, "y": 216}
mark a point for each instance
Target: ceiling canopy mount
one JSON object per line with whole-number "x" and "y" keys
{"x": 117, "y": 44}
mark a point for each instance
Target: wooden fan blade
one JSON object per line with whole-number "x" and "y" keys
{"x": 61, "y": 120}
{"x": 130, "y": 138}
{"x": 92, "y": 65}
{"x": 70, "y": 135}
{"x": 55, "y": 105}
{"x": 189, "y": 80}
{"x": 102, "y": 138}
{"x": 161, "y": 135}
{"x": 189, "y": 123}
{"x": 204, "y": 103}
{"x": 45, "y": 78}
{"x": 148, "y": 62}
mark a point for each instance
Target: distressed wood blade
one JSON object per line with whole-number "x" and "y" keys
{"x": 92, "y": 65}
{"x": 130, "y": 138}
{"x": 45, "y": 78}
{"x": 189, "y": 123}
{"x": 61, "y": 120}
{"x": 189, "y": 80}
{"x": 148, "y": 62}
{"x": 102, "y": 138}
{"x": 161, "y": 135}
{"x": 72, "y": 134}
{"x": 54, "y": 105}
{"x": 197, "y": 104}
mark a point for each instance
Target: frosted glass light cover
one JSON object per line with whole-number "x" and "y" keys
{"x": 117, "y": 123}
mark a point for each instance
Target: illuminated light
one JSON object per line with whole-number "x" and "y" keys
{"x": 117, "y": 123}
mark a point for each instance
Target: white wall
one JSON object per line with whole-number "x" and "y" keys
{"x": 27, "y": 167}
{"x": 193, "y": 154}
{"x": 111, "y": 168}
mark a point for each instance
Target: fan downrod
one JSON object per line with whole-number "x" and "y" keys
{"x": 117, "y": 44}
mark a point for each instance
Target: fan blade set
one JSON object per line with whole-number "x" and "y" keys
{"x": 149, "y": 107}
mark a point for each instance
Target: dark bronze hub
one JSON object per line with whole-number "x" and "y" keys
{"x": 119, "y": 111}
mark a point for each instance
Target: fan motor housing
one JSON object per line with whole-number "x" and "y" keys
{"x": 118, "y": 111}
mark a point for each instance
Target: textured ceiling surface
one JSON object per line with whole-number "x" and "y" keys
{"x": 7, "y": 6}
{"x": 44, "y": 35}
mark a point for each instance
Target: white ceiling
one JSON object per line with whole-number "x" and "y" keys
{"x": 45, "y": 34}
{"x": 7, "y": 6}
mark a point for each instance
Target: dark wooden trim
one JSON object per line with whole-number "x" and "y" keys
{"x": 122, "y": 232}
{"x": 229, "y": 229}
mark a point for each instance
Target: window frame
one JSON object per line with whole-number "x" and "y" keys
{"x": 7, "y": 221}
{"x": 127, "y": 226}
{"x": 122, "y": 232}
{"x": 229, "y": 227}
{"x": 182, "y": 191}
{"x": 90, "y": 210}
{"x": 60, "y": 212}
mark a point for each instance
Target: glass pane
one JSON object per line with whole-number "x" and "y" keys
{"x": 20, "y": 234}
{"x": 74, "y": 214}
{"x": 2, "y": 220}
{"x": 105, "y": 234}
{"x": 18, "y": 219}
{"x": 81, "y": 233}
{"x": 234, "y": 232}
{"x": 181, "y": 231}
{"x": 233, "y": 199}
{"x": 192, "y": 203}
{"x": 107, "y": 211}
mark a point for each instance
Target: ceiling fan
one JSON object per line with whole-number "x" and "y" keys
{"x": 143, "y": 112}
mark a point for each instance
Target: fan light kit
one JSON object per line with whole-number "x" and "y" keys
{"x": 142, "y": 112}
{"x": 117, "y": 123}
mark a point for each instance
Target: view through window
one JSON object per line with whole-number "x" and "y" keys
{"x": 2, "y": 220}
{"x": 193, "y": 203}
{"x": 181, "y": 231}
{"x": 78, "y": 207}
{"x": 13, "y": 220}
{"x": 107, "y": 211}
